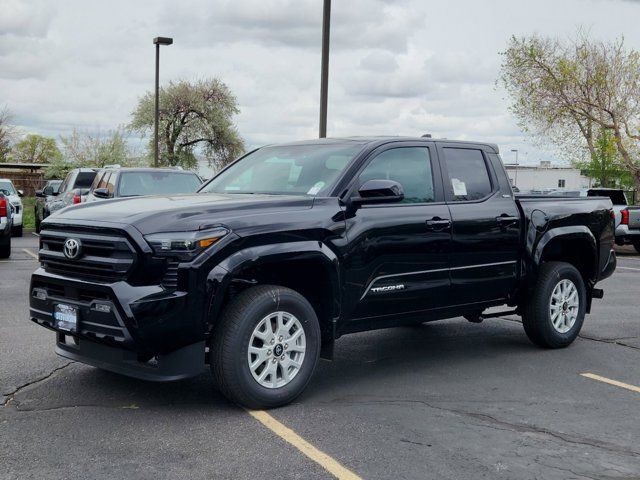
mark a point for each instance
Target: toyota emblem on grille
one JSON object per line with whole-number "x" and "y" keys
{"x": 72, "y": 248}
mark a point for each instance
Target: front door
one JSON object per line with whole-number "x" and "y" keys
{"x": 397, "y": 258}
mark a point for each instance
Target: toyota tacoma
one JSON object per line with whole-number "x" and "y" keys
{"x": 294, "y": 245}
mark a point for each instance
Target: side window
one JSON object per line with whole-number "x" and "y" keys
{"x": 96, "y": 180}
{"x": 468, "y": 175}
{"x": 104, "y": 179}
{"x": 111, "y": 183}
{"x": 409, "y": 166}
{"x": 63, "y": 187}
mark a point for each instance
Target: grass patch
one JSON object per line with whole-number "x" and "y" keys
{"x": 28, "y": 219}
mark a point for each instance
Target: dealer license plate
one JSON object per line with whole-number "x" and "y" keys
{"x": 65, "y": 317}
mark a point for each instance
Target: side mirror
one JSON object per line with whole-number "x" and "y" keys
{"x": 379, "y": 191}
{"x": 40, "y": 194}
{"x": 101, "y": 193}
{"x": 21, "y": 193}
{"x": 46, "y": 191}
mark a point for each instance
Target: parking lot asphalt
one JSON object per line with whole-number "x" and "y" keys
{"x": 445, "y": 400}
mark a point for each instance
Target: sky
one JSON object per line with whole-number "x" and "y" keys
{"x": 403, "y": 67}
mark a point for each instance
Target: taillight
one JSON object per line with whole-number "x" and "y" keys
{"x": 625, "y": 217}
{"x": 77, "y": 199}
{"x": 3, "y": 207}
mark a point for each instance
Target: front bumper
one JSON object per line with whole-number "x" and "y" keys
{"x": 121, "y": 325}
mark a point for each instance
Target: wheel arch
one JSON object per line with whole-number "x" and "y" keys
{"x": 308, "y": 267}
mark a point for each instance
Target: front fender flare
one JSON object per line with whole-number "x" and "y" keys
{"x": 222, "y": 275}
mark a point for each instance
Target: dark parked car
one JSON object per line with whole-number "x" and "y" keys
{"x": 135, "y": 182}
{"x": 40, "y": 208}
{"x": 294, "y": 245}
{"x": 6, "y": 223}
{"x": 72, "y": 190}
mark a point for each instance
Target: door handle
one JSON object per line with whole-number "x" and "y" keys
{"x": 505, "y": 219}
{"x": 437, "y": 224}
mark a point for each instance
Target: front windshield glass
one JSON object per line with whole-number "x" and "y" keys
{"x": 7, "y": 187}
{"x": 285, "y": 170}
{"x": 133, "y": 184}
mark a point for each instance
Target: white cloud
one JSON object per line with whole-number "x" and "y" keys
{"x": 397, "y": 67}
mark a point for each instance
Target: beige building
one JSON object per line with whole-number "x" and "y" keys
{"x": 546, "y": 176}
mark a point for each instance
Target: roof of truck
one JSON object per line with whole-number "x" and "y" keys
{"x": 364, "y": 140}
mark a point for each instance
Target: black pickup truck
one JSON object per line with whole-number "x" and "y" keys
{"x": 294, "y": 245}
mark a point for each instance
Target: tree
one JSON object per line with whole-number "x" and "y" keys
{"x": 35, "y": 149}
{"x": 7, "y": 133}
{"x": 193, "y": 116}
{"x": 605, "y": 166}
{"x": 565, "y": 92}
{"x": 84, "y": 149}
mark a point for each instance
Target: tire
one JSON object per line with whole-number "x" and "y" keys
{"x": 5, "y": 248}
{"x": 252, "y": 309}
{"x": 16, "y": 231}
{"x": 636, "y": 245}
{"x": 537, "y": 316}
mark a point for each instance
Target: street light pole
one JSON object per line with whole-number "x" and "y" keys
{"x": 515, "y": 180}
{"x": 324, "y": 74}
{"x": 158, "y": 41}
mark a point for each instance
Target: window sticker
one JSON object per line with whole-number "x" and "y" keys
{"x": 459, "y": 187}
{"x": 316, "y": 188}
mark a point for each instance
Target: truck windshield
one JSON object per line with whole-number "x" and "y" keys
{"x": 285, "y": 170}
{"x": 133, "y": 184}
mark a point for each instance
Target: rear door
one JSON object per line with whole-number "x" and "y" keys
{"x": 486, "y": 224}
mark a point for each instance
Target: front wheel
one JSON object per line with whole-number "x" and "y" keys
{"x": 266, "y": 346}
{"x": 555, "y": 311}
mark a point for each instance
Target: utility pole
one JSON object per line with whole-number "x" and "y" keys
{"x": 158, "y": 41}
{"x": 515, "y": 180}
{"x": 324, "y": 75}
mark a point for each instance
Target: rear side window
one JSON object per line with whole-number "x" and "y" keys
{"x": 409, "y": 166}
{"x": 468, "y": 176}
{"x": 84, "y": 179}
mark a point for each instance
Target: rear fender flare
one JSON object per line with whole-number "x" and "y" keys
{"x": 573, "y": 232}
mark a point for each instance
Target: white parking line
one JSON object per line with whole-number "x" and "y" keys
{"x": 615, "y": 383}
{"x": 288, "y": 435}
{"x": 30, "y": 253}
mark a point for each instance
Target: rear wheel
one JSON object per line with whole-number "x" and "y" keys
{"x": 265, "y": 347}
{"x": 555, "y": 311}
{"x": 5, "y": 248}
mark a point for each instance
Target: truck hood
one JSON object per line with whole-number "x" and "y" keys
{"x": 179, "y": 213}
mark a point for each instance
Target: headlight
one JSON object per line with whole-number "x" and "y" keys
{"x": 184, "y": 245}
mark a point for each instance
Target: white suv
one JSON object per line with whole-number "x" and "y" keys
{"x": 6, "y": 187}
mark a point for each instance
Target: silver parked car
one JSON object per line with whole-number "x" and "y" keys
{"x": 627, "y": 216}
{"x": 74, "y": 187}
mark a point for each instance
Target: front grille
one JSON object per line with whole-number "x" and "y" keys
{"x": 106, "y": 254}
{"x": 170, "y": 278}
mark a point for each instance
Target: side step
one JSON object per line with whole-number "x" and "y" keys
{"x": 478, "y": 318}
